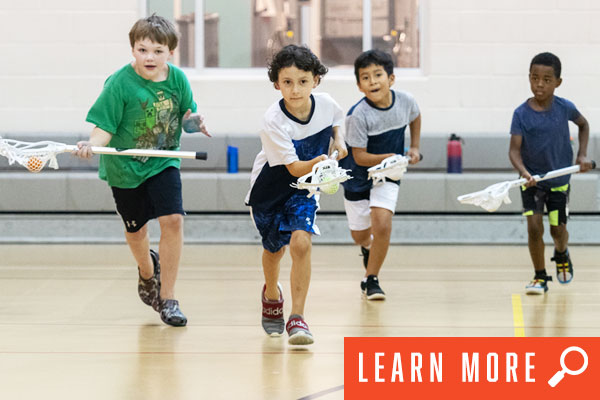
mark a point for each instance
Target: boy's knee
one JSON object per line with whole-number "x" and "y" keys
{"x": 138, "y": 235}
{"x": 274, "y": 255}
{"x": 300, "y": 244}
{"x": 558, "y": 231}
{"x": 535, "y": 231}
{"x": 383, "y": 228}
{"x": 173, "y": 221}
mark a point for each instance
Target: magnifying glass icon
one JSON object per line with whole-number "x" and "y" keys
{"x": 561, "y": 374}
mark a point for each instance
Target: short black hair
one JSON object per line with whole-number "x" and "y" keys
{"x": 549, "y": 60}
{"x": 299, "y": 56}
{"x": 375, "y": 56}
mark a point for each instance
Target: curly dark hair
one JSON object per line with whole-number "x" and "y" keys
{"x": 299, "y": 56}
{"x": 548, "y": 60}
{"x": 374, "y": 57}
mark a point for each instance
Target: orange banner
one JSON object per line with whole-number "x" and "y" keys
{"x": 471, "y": 368}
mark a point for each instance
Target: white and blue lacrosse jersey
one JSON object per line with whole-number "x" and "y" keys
{"x": 379, "y": 130}
{"x": 285, "y": 139}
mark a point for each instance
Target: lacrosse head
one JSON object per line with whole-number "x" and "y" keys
{"x": 392, "y": 168}
{"x": 490, "y": 198}
{"x": 33, "y": 156}
{"x": 326, "y": 173}
{"x": 325, "y": 177}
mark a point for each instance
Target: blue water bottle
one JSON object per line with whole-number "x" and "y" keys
{"x": 232, "y": 159}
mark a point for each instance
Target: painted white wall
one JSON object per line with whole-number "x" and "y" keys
{"x": 56, "y": 55}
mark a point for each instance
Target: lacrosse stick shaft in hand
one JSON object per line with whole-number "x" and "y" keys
{"x": 493, "y": 196}
{"x": 392, "y": 167}
{"x": 196, "y": 155}
{"x": 35, "y": 155}
{"x": 325, "y": 177}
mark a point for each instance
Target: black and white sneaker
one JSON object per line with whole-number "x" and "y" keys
{"x": 371, "y": 289}
{"x": 149, "y": 289}
{"x": 365, "y": 255}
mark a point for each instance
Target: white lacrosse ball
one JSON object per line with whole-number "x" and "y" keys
{"x": 328, "y": 174}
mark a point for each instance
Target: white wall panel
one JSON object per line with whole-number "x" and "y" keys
{"x": 58, "y": 53}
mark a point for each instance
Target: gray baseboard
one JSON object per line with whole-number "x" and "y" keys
{"x": 238, "y": 228}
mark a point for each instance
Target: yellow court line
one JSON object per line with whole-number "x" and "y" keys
{"x": 518, "y": 323}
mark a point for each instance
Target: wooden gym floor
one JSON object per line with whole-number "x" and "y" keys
{"x": 72, "y": 326}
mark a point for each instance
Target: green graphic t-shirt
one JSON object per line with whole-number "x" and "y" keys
{"x": 140, "y": 114}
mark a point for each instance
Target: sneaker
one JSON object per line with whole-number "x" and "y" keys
{"x": 170, "y": 313}
{"x": 371, "y": 289}
{"x": 564, "y": 267}
{"x": 149, "y": 289}
{"x": 298, "y": 331}
{"x": 365, "y": 255}
{"x": 272, "y": 313}
{"x": 538, "y": 285}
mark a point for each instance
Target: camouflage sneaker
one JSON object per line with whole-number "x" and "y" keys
{"x": 170, "y": 313}
{"x": 149, "y": 289}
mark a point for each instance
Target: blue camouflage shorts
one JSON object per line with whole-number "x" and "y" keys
{"x": 275, "y": 226}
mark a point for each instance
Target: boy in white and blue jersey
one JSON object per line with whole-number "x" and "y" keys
{"x": 375, "y": 128}
{"x": 541, "y": 142}
{"x": 295, "y": 135}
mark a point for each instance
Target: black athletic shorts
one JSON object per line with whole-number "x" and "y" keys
{"x": 555, "y": 199}
{"x": 157, "y": 196}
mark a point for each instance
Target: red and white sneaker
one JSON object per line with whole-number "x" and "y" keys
{"x": 272, "y": 313}
{"x": 298, "y": 331}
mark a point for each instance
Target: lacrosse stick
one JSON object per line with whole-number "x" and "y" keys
{"x": 325, "y": 177}
{"x": 492, "y": 197}
{"x": 35, "y": 155}
{"x": 392, "y": 168}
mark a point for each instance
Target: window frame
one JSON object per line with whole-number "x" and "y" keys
{"x": 334, "y": 72}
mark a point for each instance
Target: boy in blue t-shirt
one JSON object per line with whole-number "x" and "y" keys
{"x": 144, "y": 105}
{"x": 375, "y": 128}
{"x": 540, "y": 142}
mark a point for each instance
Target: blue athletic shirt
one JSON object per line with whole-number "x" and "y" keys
{"x": 285, "y": 139}
{"x": 379, "y": 130}
{"x": 546, "y": 144}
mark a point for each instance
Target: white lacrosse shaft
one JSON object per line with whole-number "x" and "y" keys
{"x": 518, "y": 182}
{"x": 196, "y": 155}
{"x": 492, "y": 197}
{"x": 573, "y": 169}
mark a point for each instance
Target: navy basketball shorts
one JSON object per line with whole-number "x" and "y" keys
{"x": 555, "y": 199}
{"x": 275, "y": 226}
{"x": 157, "y": 196}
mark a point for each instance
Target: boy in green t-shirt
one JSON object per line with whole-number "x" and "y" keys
{"x": 144, "y": 105}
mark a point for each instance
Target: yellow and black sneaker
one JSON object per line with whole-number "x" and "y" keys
{"x": 538, "y": 285}
{"x": 564, "y": 266}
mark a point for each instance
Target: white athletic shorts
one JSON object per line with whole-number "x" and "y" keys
{"x": 358, "y": 212}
